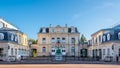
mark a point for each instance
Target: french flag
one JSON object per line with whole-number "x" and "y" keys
{"x": 57, "y": 43}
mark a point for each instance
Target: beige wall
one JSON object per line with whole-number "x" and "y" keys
{"x": 58, "y": 32}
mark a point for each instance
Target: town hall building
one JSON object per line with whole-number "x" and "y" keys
{"x": 53, "y": 40}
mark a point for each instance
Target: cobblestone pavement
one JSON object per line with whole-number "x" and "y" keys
{"x": 59, "y": 66}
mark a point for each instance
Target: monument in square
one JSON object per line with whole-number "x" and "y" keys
{"x": 58, "y": 54}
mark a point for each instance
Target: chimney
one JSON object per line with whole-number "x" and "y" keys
{"x": 65, "y": 25}
{"x": 50, "y": 25}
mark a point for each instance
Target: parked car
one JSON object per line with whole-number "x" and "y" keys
{"x": 108, "y": 59}
{"x": 11, "y": 58}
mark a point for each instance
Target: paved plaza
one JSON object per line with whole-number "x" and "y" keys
{"x": 60, "y": 66}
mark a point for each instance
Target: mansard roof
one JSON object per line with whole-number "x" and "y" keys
{"x": 9, "y": 29}
{"x": 117, "y": 27}
{"x": 58, "y": 26}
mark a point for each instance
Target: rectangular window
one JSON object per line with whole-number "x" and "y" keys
{"x": 108, "y": 52}
{"x": 103, "y": 51}
{"x": 53, "y": 40}
{"x": 15, "y": 51}
{"x": 119, "y": 52}
{"x": 43, "y": 40}
{"x": 63, "y": 40}
{"x": 44, "y": 49}
{"x": 96, "y": 40}
{"x": 72, "y": 49}
{"x": 99, "y": 38}
{"x": 73, "y": 40}
{"x": 11, "y": 51}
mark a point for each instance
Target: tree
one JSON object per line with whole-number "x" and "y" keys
{"x": 33, "y": 41}
{"x": 83, "y": 39}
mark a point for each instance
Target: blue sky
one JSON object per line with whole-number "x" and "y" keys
{"x": 88, "y": 16}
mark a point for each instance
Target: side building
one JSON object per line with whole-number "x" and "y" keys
{"x": 105, "y": 43}
{"x": 13, "y": 42}
{"x": 49, "y": 38}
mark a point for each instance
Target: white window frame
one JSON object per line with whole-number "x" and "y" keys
{"x": 1, "y": 36}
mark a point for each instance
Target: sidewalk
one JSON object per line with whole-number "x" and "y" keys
{"x": 58, "y": 62}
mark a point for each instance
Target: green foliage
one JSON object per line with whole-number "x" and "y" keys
{"x": 83, "y": 39}
{"x": 33, "y": 41}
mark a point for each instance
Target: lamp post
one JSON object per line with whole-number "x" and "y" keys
{"x": 74, "y": 48}
{"x": 30, "y": 43}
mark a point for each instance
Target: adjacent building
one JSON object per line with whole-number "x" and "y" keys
{"x": 49, "y": 38}
{"x": 13, "y": 42}
{"x": 105, "y": 43}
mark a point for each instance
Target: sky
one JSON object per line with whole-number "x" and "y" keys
{"x": 88, "y": 16}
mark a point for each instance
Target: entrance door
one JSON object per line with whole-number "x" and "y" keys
{"x": 83, "y": 52}
{"x": 100, "y": 53}
{"x": 1, "y": 52}
{"x": 34, "y": 52}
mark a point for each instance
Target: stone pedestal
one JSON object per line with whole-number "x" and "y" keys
{"x": 58, "y": 57}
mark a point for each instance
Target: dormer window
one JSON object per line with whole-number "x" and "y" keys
{"x": 119, "y": 35}
{"x": 1, "y": 36}
{"x": 16, "y": 38}
{"x": 12, "y": 37}
{"x": 52, "y": 30}
{"x": 104, "y": 38}
{"x": 44, "y": 30}
{"x": 72, "y": 30}
{"x": 1, "y": 24}
{"x": 108, "y": 37}
{"x": 63, "y": 30}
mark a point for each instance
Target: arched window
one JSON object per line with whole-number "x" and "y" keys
{"x": 119, "y": 35}
{"x": 1, "y": 36}
{"x": 108, "y": 37}
{"x": 44, "y": 49}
